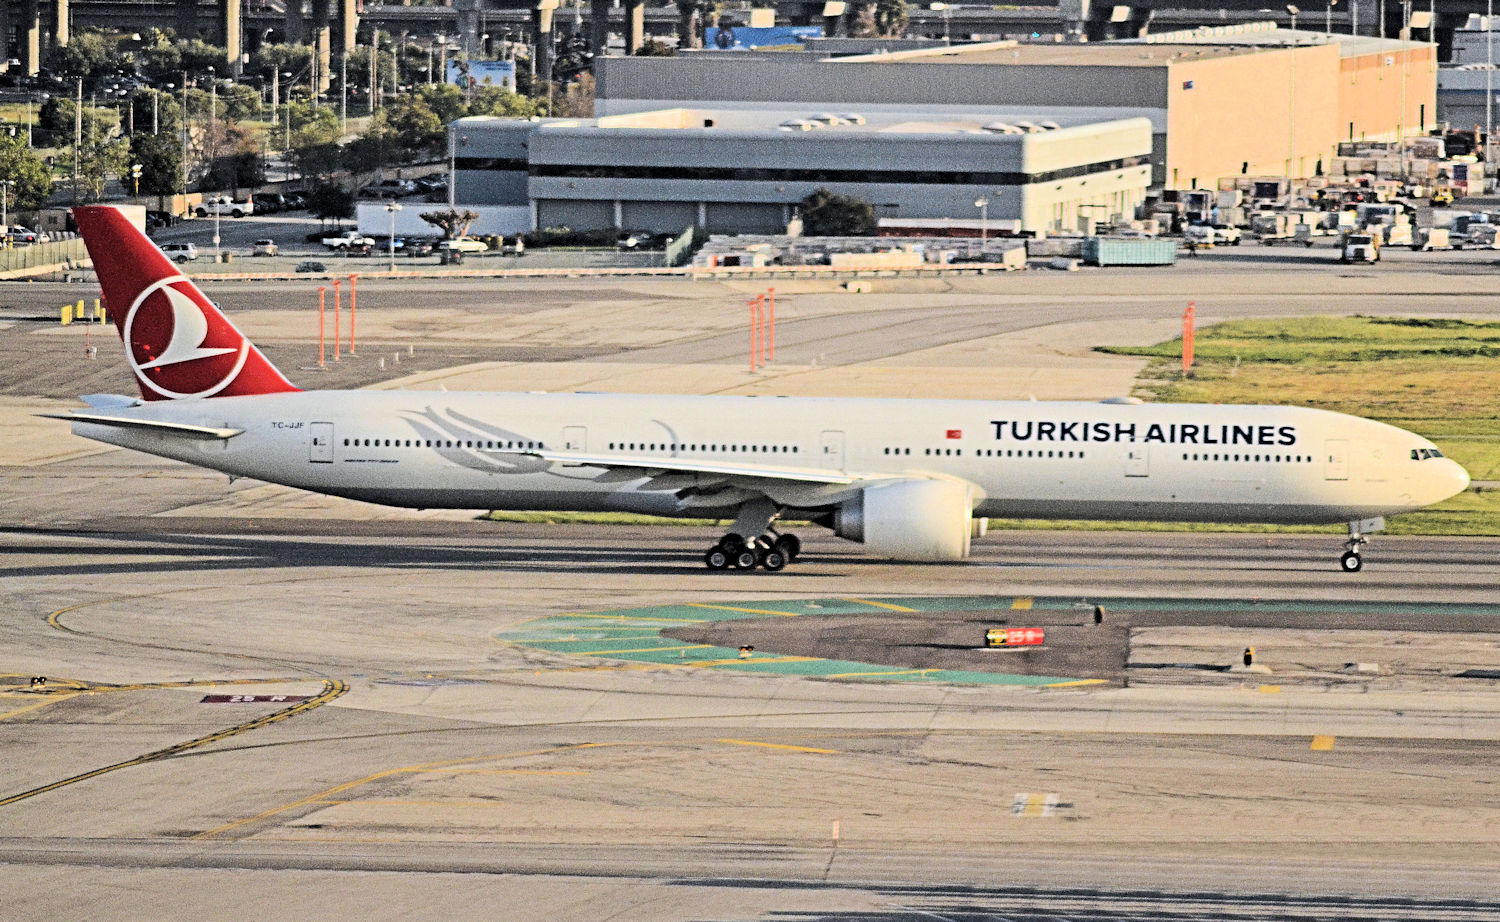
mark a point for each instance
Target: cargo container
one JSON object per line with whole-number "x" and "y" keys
{"x": 1115, "y": 251}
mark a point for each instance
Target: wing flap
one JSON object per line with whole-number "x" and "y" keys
{"x": 180, "y": 430}
{"x": 647, "y": 465}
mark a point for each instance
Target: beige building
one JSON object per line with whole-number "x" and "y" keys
{"x": 1227, "y": 101}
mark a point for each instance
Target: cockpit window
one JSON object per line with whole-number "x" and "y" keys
{"x": 1422, "y": 454}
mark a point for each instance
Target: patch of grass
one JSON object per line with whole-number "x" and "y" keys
{"x": 1439, "y": 378}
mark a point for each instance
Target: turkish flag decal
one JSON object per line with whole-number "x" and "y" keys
{"x": 955, "y": 433}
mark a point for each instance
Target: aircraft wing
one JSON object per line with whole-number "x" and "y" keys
{"x": 181, "y": 430}
{"x": 635, "y": 466}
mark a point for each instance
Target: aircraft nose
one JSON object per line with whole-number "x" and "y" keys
{"x": 1450, "y": 478}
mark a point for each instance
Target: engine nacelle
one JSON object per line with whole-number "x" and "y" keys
{"x": 923, "y": 520}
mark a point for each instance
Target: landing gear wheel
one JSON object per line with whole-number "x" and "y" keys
{"x": 789, "y": 545}
{"x": 773, "y": 560}
{"x": 744, "y": 558}
{"x": 1351, "y": 562}
{"x": 717, "y": 558}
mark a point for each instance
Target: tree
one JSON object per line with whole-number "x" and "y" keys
{"x": 654, "y": 48}
{"x": 498, "y": 101}
{"x": 88, "y": 55}
{"x": 578, "y": 98}
{"x": 889, "y": 18}
{"x": 454, "y": 223}
{"x": 330, "y": 202}
{"x": 415, "y": 129}
{"x": 160, "y": 159}
{"x": 828, "y": 214}
{"x": 690, "y": 22}
{"x": 23, "y": 166}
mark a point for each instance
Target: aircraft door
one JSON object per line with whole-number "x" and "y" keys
{"x": 1137, "y": 460}
{"x": 1336, "y": 459}
{"x": 832, "y": 453}
{"x": 575, "y": 438}
{"x": 320, "y": 448}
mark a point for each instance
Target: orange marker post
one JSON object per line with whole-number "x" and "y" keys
{"x": 754, "y": 304}
{"x": 771, "y": 313}
{"x": 336, "y": 307}
{"x": 322, "y": 348}
{"x": 352, "y": 294}
{"x": 1187, "y": 338}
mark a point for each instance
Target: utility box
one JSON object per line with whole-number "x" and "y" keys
{"x": 1123, "y": 251}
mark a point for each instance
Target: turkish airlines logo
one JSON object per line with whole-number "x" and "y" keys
{"x": 176, "y": 346}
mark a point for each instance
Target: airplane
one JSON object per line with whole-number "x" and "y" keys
{"x": 910, "y": 479}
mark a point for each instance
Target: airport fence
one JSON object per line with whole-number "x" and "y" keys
{"x": 40, "y": 255}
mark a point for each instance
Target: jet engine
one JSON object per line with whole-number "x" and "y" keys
{"x": 926, "y": 520}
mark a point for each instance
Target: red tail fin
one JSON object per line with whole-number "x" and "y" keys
{"x": 176, "y": 341}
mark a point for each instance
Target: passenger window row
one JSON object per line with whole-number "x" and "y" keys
{"x": 1274, "y": 459}
{"x": 438, "y": 443}
{"x": 696, "y": 447}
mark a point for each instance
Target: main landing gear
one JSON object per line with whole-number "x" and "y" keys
{"x": 770, "y": 551}
{"x": 1350, "y": 562}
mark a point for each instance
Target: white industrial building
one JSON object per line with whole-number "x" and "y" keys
{"x": 744, "y": 169}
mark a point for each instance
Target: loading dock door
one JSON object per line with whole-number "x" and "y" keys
{"x": 1137, "y": 460}
{"x": 320, "y": 449}
{"x": 575, "y": 438}
{"x": 1336, "y": 459}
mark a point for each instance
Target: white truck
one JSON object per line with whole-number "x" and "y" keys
{"x": 1360, "y": 248}
{"x": 224, "y": 205}
{"x": 349, "y": 239}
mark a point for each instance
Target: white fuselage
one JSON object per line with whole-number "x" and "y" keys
{"x": 1168, "y": 462}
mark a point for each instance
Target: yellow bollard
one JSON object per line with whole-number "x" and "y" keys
{"x": 98, "y": 311}
{"x": 67, "y": 314}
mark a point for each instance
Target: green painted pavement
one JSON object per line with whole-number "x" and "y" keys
{"x": 633, "y": 635}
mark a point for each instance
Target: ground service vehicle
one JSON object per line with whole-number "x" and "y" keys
{"x": 1360, "y": 248}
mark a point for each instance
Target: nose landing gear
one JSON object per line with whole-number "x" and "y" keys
{"x": 1351, "y": 562}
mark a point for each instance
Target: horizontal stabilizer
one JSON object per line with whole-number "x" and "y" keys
{"x": 182, "y": 430}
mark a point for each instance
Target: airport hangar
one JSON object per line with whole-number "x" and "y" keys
{"x": 743, "y": 169}
{"x": 1223, "y": 101}
{"x": 703, "y": 139}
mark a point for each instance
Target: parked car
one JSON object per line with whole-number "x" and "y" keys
{"x": 432, "y": 183}
{"x": 270, "y": 203}
{"x": 161, "y": 219}
{"x": 296, "y": 201}
{"x": 180, "y": 252}
{"x": 311, "y": 265}
{"x": 19, "y": 235}
{"x": 347, "y": 240}
{"x": 224, "y": 205}
{"x": 465, "y": 245}
{"x": 414, "y": 247}
{"x": 389, "y": 188}
{"x": 264, "y": 248}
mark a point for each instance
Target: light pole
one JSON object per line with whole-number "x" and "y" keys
{"x": 218, "y": 256}
{"x": 5, "y": 185}
{"x": 947, "y": 10}
{"x": 983, "y": 204}
{"x": 343, "y": 94}
{"x": 392, "y": 207}
{"x": 135, "y": 174}
{"x": 1293, "y": 11}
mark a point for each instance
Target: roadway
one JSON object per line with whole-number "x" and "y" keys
{"x": 451, "y": 733}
